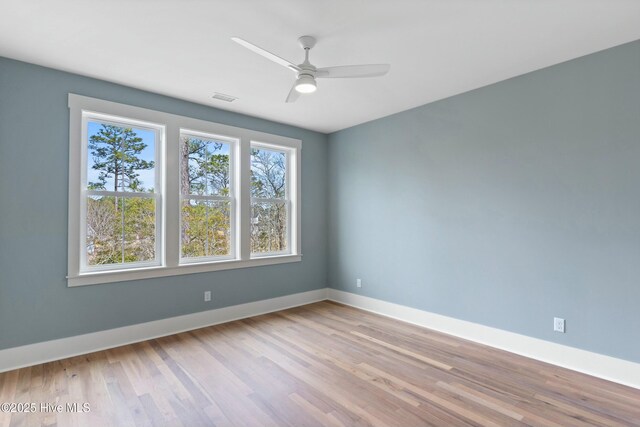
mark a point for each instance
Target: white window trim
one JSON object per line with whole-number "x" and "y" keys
{"x": 288, "y": 200}
{"x": 169, "y": 255}
{"x": 159, "y": 141}
{"x": 234, "y": 189}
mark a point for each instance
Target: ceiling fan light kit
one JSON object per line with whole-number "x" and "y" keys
{"x": 307, "y": 72}
{"x": 306, "y": 84}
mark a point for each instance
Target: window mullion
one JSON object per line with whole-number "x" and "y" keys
{"x": 244, "y": 199}
{"x": 172, "y": 202}
{"x": 122, "y": 208}
{"x": 205, "y": 197}
{"x": 264, "y": 200}
{"x": 127, "y": 194}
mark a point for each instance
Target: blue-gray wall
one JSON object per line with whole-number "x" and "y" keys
{"x": 35, "y": 303}
{"x": 504, "y": 206}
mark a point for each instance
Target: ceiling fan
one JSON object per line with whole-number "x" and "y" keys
{"x": 307, "y": 72}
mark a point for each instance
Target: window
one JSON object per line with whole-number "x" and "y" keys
{"x": 207, "y": 197}
{"x": 121, "y": 202}
{"x": 153, "y": 194}
{"x": 269, "y": 201}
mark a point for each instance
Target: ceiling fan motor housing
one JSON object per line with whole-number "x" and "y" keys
{"x": 307, "y": 42}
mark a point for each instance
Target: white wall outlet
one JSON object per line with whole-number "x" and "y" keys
{"x": 359, "y": 283}
{"x": 207, "y": 296}
{"x": 558, "y": 324}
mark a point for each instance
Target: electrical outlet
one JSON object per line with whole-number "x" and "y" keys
{"x": 558, "y": 324}
{"x": 207, "y": 296}
{"x": 359, "y": 283}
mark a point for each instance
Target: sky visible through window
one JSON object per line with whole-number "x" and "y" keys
{"x": 146, "y": 176}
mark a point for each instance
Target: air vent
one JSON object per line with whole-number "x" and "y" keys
{"x": 223, "y": 97}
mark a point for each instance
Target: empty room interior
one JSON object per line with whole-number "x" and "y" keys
{"x": 320, "y": 213}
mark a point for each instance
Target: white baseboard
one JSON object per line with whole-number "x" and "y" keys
{"x": 597, "y": 365}
{"x": 33, "y": 354}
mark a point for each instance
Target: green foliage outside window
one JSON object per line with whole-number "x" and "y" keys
{"x": 122, "y": 229}
{"x": 206, "y": 224}
{"x": 119, "y": 229}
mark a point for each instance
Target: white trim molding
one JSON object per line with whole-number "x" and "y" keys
{"x": 168, "y": 128}
{"x": 33, "y": 354}
{"x": 594, "y": 364}
{"x": 597, "y": 365}
{"x": 190, "y": 268}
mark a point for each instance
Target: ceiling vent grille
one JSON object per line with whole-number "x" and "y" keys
{"x": 223, "y": 97}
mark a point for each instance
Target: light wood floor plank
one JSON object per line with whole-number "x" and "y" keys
{"x": 324, "y": 364}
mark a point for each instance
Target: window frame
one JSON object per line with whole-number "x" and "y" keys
{"x": 233, "y": 190}
{"x": 169, "y": 173}
{"x": 287, "y": 197}
{"x": 159, "y": 141}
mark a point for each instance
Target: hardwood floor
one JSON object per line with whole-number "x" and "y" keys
{"x": 323, "y": 364}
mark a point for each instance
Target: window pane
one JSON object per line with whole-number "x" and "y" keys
{"x": 194, "y": 179}
{"x": 206, "y": 228}
{"x": 218, "y": 168}
{"x": 268, "y": 173}
{"x": 120, "y": 230}
{"x": 268, "y": 227}
{"x": 205, "y": 166}
{"x": 104, "y": 230}
{"x": 139, "y": 229}
{"x": 120, "y": 158}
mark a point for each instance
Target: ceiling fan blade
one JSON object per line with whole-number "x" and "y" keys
{"x": 345, "y": 71}
{"x": 293, "y": 94}
{"x": 266, "y": 54}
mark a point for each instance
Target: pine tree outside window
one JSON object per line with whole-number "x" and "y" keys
{"x": 121, "y": 202}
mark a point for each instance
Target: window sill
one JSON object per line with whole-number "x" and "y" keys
{"x": 99, "y": 277}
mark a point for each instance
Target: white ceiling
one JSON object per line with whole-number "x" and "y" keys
{"x": 436, "y": 48}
